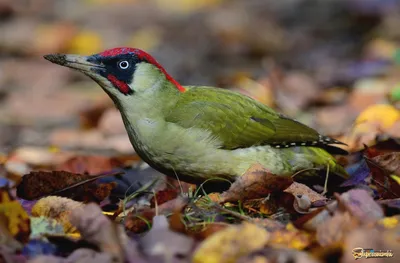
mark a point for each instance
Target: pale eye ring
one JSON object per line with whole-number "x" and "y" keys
{"x": 123, "y": 64}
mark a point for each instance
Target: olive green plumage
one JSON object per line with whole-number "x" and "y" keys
{"x": 195, "y": 132}
{"x": 237, "y": 120}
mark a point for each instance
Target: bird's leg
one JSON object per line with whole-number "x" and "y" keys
{"x": 326, "y": 182}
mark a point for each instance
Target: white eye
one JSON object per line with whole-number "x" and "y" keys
{"x": 123, "y": 64}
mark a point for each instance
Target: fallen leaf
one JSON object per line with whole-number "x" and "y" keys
{"x": 13, "y": 216}
{"x": 269, "y": 224}
{"x": 256, "y": 182}
{"x": 140, "y": 221}
{"x": 163, "y": 243}
{"x": 335, "y": 229}
{"x": 58, "y": 208}
{"x": 37, "y": 247}
{"x": 290, "y": 237}
{"x": 79, "y": 255}
{"x": 385, "y": 115}
{"x": 312, "y": 220}
{"x": 304, "y": 196}
{"x": 358, "y": 175}
{"x": 361, "y": 205}
{"x": 387, "y": 187}
{"x": 277, "y": 255}
{"x": 231, "y": 243}
{"x": 75, "y": 186}
{"x": 391, "y": 206}
{"x": 389, "y": 161}
{"x": 6, "y": 238}
{"x": 163, "y": 196}
{"x": 375, "y": 120}
{"x": 390, "y": 222}
{"x": 43, "y": 225}
{"x": 98, "y": 229}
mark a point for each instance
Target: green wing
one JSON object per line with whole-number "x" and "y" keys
{"x": 236, "y": 120}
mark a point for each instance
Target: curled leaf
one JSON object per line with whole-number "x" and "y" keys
{"x": 58, "y": 208}
{"x": 257, "y": 182}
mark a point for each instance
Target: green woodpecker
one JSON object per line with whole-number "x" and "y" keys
{"x": 198, "y": 132}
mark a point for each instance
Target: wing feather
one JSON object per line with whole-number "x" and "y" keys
{"x": 236, "y": 120}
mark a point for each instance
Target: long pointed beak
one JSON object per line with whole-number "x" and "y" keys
{"x": 81, "y": 63}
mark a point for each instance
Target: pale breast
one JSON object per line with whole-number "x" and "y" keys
{"x": 192, "y": 151}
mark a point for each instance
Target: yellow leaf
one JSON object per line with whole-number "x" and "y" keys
{"x": 384, "y": 114}
{"x": 86, "y": 42}
{"x": 227, "y": 245}
{"x": 389, "y": 222}
{"x": 16, "y": 219}
{"x": 290, "y": 237}
{"x": 58, "y": 208}
{"x": 396, "y": 178}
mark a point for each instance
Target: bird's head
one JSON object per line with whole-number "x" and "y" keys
{"x": 121, "y": 72}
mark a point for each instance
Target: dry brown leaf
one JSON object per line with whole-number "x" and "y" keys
{"x": 75, "y": 186}
{"x": 297, "y": 189}
{"x": 257, "y": 182}
{"x": 138, "y": 222}
{"x": 389, "y": 161}
{"x": 58, "y": 208}
{"x": 163, "y": 196}
{"x": 386, "y": 186}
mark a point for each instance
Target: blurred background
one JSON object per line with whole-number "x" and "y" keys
{"x": 321, "y": 62}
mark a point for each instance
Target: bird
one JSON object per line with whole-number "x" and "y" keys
{"x": 198, "y": 133}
